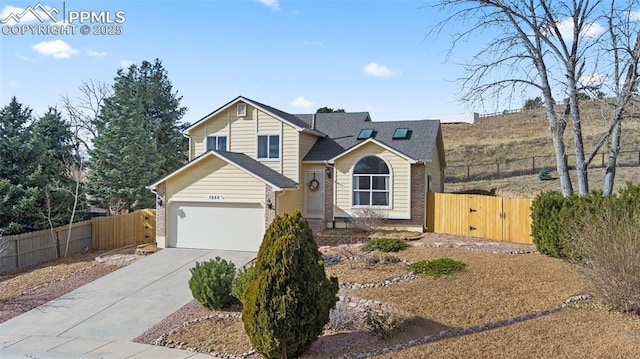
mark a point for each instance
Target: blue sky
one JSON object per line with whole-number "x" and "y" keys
{"x": 294, "y": 55}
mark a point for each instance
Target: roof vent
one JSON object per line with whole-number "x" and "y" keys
{"x": 365, "y": 133}
{"x": 401, "y": 133}
{"x": 242, "y": 109}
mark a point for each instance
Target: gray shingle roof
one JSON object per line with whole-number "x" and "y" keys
{"x": 258, "y": 169}
{"x": 284, "y": 115}
{"x": 342, "y": 130}
{"x": 293, "y": 120}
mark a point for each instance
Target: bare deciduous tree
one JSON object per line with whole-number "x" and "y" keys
{"x": 84, "y": 113}
{"x": 555, "y": 47}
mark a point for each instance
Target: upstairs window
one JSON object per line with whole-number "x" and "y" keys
{"x": 268, "y": 146}
{"x": 218, "y": 143}
{"x": 371, "y": 182}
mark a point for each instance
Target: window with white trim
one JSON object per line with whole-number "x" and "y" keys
{"x": 218, "y": 143}
{"x": 371, "y": 182}
{"x": 268, "y": 146}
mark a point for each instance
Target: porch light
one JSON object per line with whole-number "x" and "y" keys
{"x": 269, "y": 203}
{"x": 328, "y": 171}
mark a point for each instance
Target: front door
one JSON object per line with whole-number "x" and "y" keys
{"x": 314, "y": 194}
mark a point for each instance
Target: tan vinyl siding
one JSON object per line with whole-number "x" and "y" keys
{"x": 289, "y": 153}
{"x": 290, "y": 201}
{"x": 198, "y": 142}
{"x": 214, "y": 176}
{"x": 242, "y": 137}
{"x": 306, "y": 142}
{"x": 400, "y": 188}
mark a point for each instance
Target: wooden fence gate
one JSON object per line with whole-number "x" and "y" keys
{"x": 497, "y": 218}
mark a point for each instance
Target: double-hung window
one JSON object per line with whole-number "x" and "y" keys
{"x": 268, "y": 146}
{"x": 371, "y": 182}
{"x": 218, "y": 143}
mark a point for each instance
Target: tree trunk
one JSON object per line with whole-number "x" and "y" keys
{"x": 614, "y": 150}
{"x": 557, "y": 128}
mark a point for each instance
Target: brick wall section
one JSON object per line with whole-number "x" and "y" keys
{"x": 328, "y": 197}
{"x": 161, "y": 189}
{"x": 328, "y": 240}
{"x": 269, "y": 214}
{"x": 418, "y": 194}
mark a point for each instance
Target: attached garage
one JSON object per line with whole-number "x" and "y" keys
{"x": 217, "y": 225}
{"x": 221, "y": 200}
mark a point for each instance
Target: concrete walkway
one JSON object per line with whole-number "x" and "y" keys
{"x": 100, "y": 319}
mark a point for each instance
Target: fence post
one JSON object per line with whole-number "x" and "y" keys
{"x": 533, "y": 165}
{"x": 17, "y": 254}
{"x": 469, "y": 169}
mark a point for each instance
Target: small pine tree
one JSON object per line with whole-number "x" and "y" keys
{"x": 289, "y": 297}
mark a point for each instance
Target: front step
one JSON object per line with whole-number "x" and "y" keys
{"x": 316, "y": 225}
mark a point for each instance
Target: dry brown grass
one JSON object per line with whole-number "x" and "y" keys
{"x": 15, "y": 282}
{"x": 525, "y": 134}
{"x": 492, "y": 287}
{"x": 572, "y": 333}
{"x": 531, "y": 186}
{"x": 225, "y": 335}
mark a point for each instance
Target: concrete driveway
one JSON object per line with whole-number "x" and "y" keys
{"x": 100, "y": 319}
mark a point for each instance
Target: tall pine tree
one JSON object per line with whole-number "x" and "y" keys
{"x": 16, "y": 164}
{"x": 124, "y": 158}
{"x": 161, "y": 112}
{"x": 139, "y": 138}
{"x": 56, "y": 165}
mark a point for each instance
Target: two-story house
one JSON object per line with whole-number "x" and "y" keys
{"x": 249, "y": 162}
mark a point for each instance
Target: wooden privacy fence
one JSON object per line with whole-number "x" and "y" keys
{"x": 497, "y": 218}
{"x": 27, "y": 249}
{"x": 128, "y": 229}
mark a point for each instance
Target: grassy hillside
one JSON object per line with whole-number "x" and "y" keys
{"x": 525, "y": 134}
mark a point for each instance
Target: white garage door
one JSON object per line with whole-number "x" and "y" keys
{"x": 219, "y": 225}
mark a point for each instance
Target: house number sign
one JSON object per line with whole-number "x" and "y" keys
{"x": 215, "y": 197}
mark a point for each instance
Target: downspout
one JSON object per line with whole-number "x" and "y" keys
{"x": 333, "y": 186}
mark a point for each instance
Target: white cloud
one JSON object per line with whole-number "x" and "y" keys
{"x": 634, "y": 15}
{"x": 57, "y": 49}
{"x": 273, "y": 4}
{"x": 590, "y": 30}
{"x": 24, "y": 58}
{"x": 378, "y": 70}
{"x": 593, "y": 80}
{"x": 29, "y": 17}
{"x": 126, "y": 63}
{"x": 301, "y": 102}
{"x": 96, "y": 53}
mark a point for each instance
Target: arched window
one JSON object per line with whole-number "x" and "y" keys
{"x": 371, "y": 182}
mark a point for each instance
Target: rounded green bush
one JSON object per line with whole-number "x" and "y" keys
{"x": 437, "y": 267}
{"x": 211, "y": 281}
{"x": 385, "y": 245}
{"x": 240, "y": 283}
